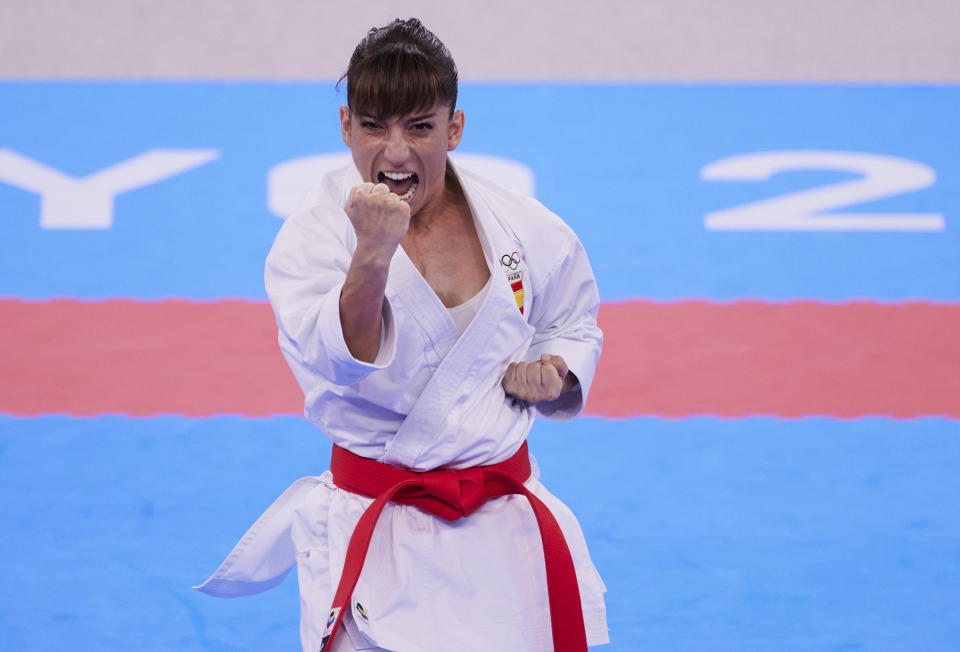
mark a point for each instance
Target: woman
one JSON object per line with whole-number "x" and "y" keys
{"x": 428, "y": 316}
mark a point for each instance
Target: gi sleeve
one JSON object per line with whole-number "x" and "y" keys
{"x": 564, "y": 313}
{"x": 304, "y": 275}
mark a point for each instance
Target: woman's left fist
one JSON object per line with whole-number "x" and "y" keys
{"x": 542, "y": 380}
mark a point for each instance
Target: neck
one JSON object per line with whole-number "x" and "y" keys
{"x": 446, "y": 207}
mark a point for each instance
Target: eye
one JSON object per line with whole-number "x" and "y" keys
{"x": 422, "y": 127}
{"x": 369, "y": 125}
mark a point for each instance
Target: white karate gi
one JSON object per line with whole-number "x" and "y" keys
{"x": 430, "y": 399}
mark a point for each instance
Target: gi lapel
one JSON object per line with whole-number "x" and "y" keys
{"x": 495, "y": 335}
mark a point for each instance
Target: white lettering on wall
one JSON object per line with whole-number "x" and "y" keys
{"x": 87, "y": 203}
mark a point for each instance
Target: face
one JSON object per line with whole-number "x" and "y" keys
{"x": 408, "y": 153}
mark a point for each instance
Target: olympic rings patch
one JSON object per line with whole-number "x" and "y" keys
{"x": 510, "y": 261}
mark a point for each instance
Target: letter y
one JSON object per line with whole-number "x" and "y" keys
{"x": 87, "y": 203}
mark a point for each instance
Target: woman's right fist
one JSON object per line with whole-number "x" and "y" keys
{"x": 379, "y": 217}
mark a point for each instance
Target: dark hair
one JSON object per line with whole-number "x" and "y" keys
{"x": 399, "y": 69}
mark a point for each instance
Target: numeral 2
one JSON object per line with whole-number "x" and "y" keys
{"x": 812, "y": 210}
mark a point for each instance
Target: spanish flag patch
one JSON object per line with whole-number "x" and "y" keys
{"x": 516, "y": 284}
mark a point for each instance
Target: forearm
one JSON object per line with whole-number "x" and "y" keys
{"x": 361, "y": 301}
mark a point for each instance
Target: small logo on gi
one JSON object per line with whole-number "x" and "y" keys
{"x": 510, "y": 264}
{"x": 331, "y": 619}
{"x": 328, "y": 630}
{"x": 361, "y": 611}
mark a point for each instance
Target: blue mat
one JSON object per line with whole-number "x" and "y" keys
{"x": 621, "y": 164}
{"x": 711, "y": 534}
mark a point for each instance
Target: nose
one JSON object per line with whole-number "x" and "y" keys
{"x": 398, "y": 150}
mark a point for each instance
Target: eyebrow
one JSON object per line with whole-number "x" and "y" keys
{"x": 415, "y": 118}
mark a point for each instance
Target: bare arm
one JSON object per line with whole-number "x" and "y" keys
{"x": 380, "y": 220}
{"x": 361, "y": 302}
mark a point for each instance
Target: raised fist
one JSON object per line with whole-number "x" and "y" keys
{"x": 379, "y": 217}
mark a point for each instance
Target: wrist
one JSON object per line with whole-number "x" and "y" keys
{"x": 374, "y": 254}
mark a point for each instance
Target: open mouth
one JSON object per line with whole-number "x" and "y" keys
{"x": 402, "y": 184}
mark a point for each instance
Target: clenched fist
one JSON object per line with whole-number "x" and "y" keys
{"x": 379, "y": 217}
{"x": 542, "y": 380}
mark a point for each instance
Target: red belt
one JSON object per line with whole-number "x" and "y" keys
{"x": 451, "y": 495}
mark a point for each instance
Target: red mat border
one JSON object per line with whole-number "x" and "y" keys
{"x": 661, "y": 358}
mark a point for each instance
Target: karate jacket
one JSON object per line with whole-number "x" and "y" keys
{"x": 430, "y": 399}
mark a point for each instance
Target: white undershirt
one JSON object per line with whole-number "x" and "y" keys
{"x": 463, "y": 314}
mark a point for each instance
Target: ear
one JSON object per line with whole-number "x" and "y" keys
{"x": 455, "y": 130}
{"x": 345, "y": 125}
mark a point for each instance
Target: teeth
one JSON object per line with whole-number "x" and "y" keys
{"x": 407, "y": 195}
{"x": 398, "y": 176}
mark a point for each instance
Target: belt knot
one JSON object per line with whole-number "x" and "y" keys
{"x": 462, "y": 490}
